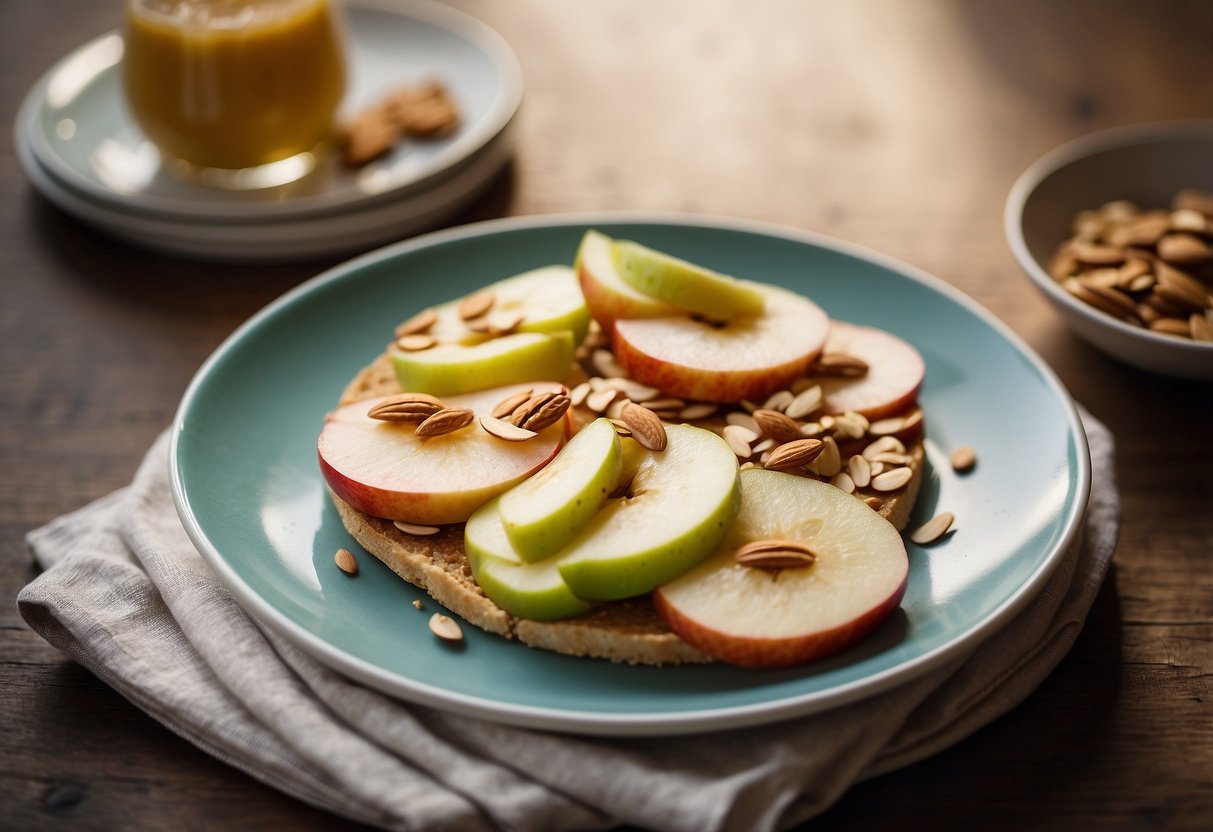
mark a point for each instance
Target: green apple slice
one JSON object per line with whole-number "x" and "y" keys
{"x": 548, "y": 299}
{"x": 525, "y": 590}
{"x": 447, "y": 369}
{"x": 542, "y": 514}
{"x": 679, "y": 506}
{"x": 684, "y": 284}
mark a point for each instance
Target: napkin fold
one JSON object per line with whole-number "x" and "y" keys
{"x": 126, "y": 594}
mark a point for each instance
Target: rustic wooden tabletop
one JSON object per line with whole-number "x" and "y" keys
{"x": 899, "y": 126}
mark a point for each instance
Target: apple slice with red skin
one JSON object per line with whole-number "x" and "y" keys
{"x": 894, "y": 376}
{"x": 763, "y": 618}
{"x": 383, "y": 469}
{"x": 749, "y": 358}
{"x": 607, "y": 295}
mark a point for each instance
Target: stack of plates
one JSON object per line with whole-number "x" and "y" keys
{"x": 80, "y": 147}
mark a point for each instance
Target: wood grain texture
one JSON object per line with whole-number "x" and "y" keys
{"x": 899, "y": 126}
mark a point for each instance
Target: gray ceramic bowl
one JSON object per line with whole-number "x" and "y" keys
{"x": 1146, "y": 164}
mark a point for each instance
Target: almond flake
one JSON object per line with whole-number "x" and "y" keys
{"x": 860, "y": 470}
{"x": 620, "y": 427}
{"x": 699, "y": 410}
{"x": 779, "y": 400}
{"x": 600, "y": 400}
{"x": 415, "y": 529}
{"x": 744, "y": 420}
{"x": 346, "y": 562}
{"x": 579, "y": 393}
{"x": 851, "y": 424}
{"x": 606, "y": 365}
{"x": 843, "y": 480}
{"x": 778, "y": 426}
{"x": 890, "y": 458}
{"x": 412, "y": 408}
{"x": 476, "y": 304}
{"x": 739, "y": 438}
{"x": 933, "y": 529}
{"x": 665, "y": 406}
{"x": 615, "y": 410}
{"x": 646, "y": 427}
{"x": 795, "y": 454}
{"x": 505, "y": 430}
{"x": 963, "y": 458}
{"x": 884, "y": 443}
{"x": 805, "y": 402}
{"x": 765, "y": 445}
{"x": 419, "y": 323}
{"x": 886, "y": 427}
{"x": 415, "y": 343}
{"x": 447, "y": 420}
{"x": 445, "y": 627}
{"x": 829, "y": 462}
{"x": 892, "y": 479}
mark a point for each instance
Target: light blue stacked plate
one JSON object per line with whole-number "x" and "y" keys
{"x": 80, "y": 147}
{"x": 249, "y": 491}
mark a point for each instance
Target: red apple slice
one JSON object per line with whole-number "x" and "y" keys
{"x": 607, "y": 295}
{"x": 725, "y": 362}
{"x": 758, "y": 617}
{"x": 895, "y": 372}
{"x": 384, "y": 470}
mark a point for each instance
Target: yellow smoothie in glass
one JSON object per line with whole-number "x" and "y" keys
{"x": 230, "y": 84}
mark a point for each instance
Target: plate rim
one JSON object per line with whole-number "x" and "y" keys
{"x": 588, "y": 722}
{"x": 454, "y": 20}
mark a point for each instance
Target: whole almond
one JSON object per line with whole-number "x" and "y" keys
{"x": 540, "y": 411}
{"x": 447, "y": 420}
{"x": 1094, "y": 254}
{"x": 476, "y": 304}
{"x": 346, "y": 562}
{"x": 1194, "y": 199}
{"x": 1201, "y": 326}
{"x": 411, "y": 408}
{"x": 794, "y": 454}
{"x": 840, "y": 364}
{"x": 508, "y": 405}
{"x": 1180, "y": 287}
{"x": 775, "y": 554}
{"x": 1182, "y": 247}
{"x": 645, "y": 426}
{"x": 963, "y": 458}
{"x": 778, "y": 426}
{"x": 1172, "y": 326}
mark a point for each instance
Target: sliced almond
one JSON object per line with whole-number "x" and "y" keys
{"x": 887, "y": 427}
{"x": 665, "y": 406}
{"x": 805, "y": 402}
{"x": 445, "y": 627}
{"x": 645, "y": 426}
{"x": 963, "y": 458}
{"x": 829, "y": 462}
{"x": 933, "y": 529}
{"x": 840, "y": 364}
{"x": 447, "y": 420}
{"x": 890, "y": 458}
{"x": 508, "y": 405}
{"x": 795, "y": 454}
{"x": 778, "y": 426}
{"x": 541, "y": 411}
{"x": 417, "y": 324}
{"x": 779, "y": 400}
{"x": 415, "y": 343}
{"x": 764, "y": 445}
{"x": 739, "y": 438}
{"x": 892, "y": 479}
{"x": 883, "y": 444}
{"x": 415, "y": 529}
{"x": 699, "y": 410}
{"x": 852, "y": 425}
{"x": 620, "y": 427}
{"x": 745, "y": 420}
{"x": 615, "y": 410}
{"x": 505, "y": 430}
{"x": 346, "y": 562}
{"x": 412, "y": 408}
{"x": 860, "y": 470}
{"x": 874, "y": 503}
{"x": 775, "y": 554}
{"x": 843, "y": 481}
{"x": 496, "y": 325}
{"x": 606, "y": 365}
{"x": 579, "y": 393}
{"x": 476, "y": 304}
{"x": 600, "y": 400}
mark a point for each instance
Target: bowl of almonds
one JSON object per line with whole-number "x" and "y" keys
{"x": 1116, "y": 231}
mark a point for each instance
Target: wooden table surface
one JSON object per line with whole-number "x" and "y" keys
{"x": 899, "y": 126}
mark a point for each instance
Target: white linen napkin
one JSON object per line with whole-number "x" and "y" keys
{"x": 126, "y": 594}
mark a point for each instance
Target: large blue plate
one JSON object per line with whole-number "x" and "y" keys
{"x": 248, "y": 490}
